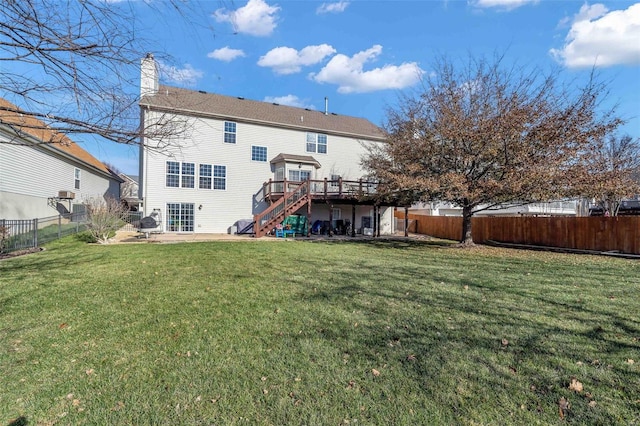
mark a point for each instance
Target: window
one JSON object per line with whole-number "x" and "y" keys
{"x": 177, "y": 179}
{"x": 76, "y": 178}
{"x": 205, "y": 176}
{"x": 259, "y": 153}
{"x": 173, "y": 174}
{"x": 188, "y": 175}
{"x": 229, "y": 132}
{"x": 336, "y": 213}
{"x": 299, "y": 175}
{"x": 317, "y": 142}
{"x": 322, "y": 144}
{"x": 219, "y": 177}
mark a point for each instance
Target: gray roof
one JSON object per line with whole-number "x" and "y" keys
{"x": 197, "y": 103}
{"x": 293, "y": 158}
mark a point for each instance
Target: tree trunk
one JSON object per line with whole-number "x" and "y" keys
{"x": 467, "y": 214}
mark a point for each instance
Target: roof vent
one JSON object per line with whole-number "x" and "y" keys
{"x": 274, "y": 103}
{"x": 241, "y": 98}
{"x": 333, "y": 113}
{"x": 202, "y": 91}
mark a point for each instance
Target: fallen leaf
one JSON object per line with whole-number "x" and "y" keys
{"x": 505, "y": 342}
{"x": 90, "y": 371}
{"x": 630, "y": 361}
{"x": 265, "y": 391}
{"x": 351, "y": 384}
{"x": 63, "y": 325}
{"x": 592, "y": 404}
{"x": 563, "y": 407}
{"x": 575, "y": 385}
{"x": 375, "y": 372}
{"x": 118, "y": 406}
{"x": 75, "y": 402}
{"x": 411, "y": 358}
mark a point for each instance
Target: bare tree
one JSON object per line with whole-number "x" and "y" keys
{"x": 486, "y": 135}
{"x": 74, "y": 67}
{"x": 615, "y": 172}
{"x": 104, "y": 217}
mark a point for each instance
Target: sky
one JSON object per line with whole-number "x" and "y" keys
{"x": 363, "y": 55}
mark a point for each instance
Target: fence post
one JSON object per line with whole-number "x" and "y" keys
{"x": 59, "y": 226}
{"x": 35, "y": 233}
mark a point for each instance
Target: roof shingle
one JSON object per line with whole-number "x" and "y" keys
{"x": 33, "y": 127}
{"x": 198, "y": 103}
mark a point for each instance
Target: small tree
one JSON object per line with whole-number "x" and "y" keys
{"x": 487, "y": 136}
{"x": 614, "y": 172}
{"x": 104, "y": 217}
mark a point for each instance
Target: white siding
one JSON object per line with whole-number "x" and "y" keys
{"x": 205, "y": 145}
{"x": 29, "y": 175}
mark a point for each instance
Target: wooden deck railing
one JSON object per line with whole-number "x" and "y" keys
{"x": 324, "y": 188}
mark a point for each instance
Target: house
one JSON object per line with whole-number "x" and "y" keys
{"x": 44, "y": 173}
{"x": 241, "y": 161}
{"x": 129, "y": 191}
{"x": 555, "y": 208}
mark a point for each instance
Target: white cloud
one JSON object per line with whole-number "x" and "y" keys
{"x": 287, "y": 60}
{"x": 601, "y": 38}
{"x": 186, "y": 76}
{"x": 337, "y": 7}
{"x": 226, "y": 54}
{"x": 348, "y": 74}
{"x": 256, "y": 18}
{"x": 501, "y": 4}
{"x": 290, "y": 100}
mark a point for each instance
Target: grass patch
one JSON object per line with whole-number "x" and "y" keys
{"x": 317, "y": 333}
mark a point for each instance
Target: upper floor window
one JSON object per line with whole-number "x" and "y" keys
{"x": 173, "y": 174}
{"x": 188, "y": 175}
{"x": 76, "y": 178}
{"x": 317, "y": 142}
{"x": 259, "y": 153}
{"x": 205, "y": 176}
{"x": 180, "y": 175}
{"x": 229, "y": 132}
{"x": 219, "y": 177}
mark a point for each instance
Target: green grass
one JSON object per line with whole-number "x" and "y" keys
{"x": 317, "y": 333}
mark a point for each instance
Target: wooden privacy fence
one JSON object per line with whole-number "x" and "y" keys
{"x": 620, "y": 233}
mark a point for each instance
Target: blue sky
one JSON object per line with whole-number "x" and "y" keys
{"x": 362, "y": 54}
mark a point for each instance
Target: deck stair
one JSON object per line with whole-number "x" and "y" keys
{"x": 291, "y": 202}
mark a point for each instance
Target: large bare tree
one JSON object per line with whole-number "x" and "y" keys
{"x": 74, "y": 67}
{"x": 485, "y": 135}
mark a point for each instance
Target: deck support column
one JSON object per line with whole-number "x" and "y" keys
{"x": 330, "y": 220}
{"x": 374, "y": 219}
{"x": 378, "y": 222}
{"x": 353, "y": 220}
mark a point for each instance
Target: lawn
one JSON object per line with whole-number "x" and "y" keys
{"x": 317, "y": 333}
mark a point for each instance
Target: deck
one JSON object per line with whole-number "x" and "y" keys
{"x": 338, "y": 191}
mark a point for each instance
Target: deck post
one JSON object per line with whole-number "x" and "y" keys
{"x": 330, "y": 220}
{"x": 378, "y": 221}
{"x": 353, "y": 220}
{"x": 339, "y": 185}
{"x": 325, "y": 187}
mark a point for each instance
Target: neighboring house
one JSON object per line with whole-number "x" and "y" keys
{"x": 129, "y": 191}
{"x": 247, "y": 161}
{"x": 42, "y": 172}
{"x": 556, "y": 208}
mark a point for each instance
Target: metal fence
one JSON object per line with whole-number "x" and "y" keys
{"x": 19, "y": 234}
